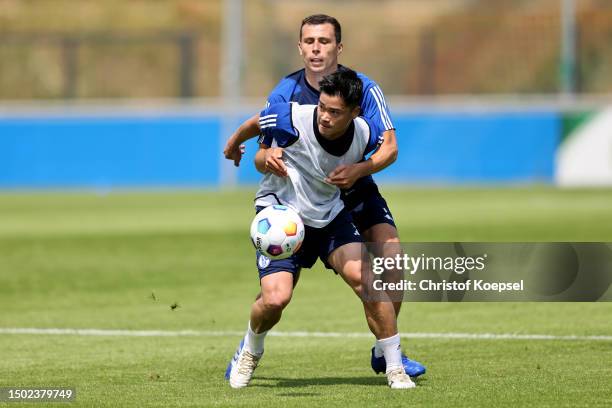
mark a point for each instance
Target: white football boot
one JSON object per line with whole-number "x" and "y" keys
{"x": 398, "y": 379}
{"x": 241, "y": 368}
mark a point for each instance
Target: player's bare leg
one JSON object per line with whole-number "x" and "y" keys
{"x": 347, "y": 260}
{"x": 266, "y": 311}
{"x": 275, "y": 295}
{"x": 385, "y": 234}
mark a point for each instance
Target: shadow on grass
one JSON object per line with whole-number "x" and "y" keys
{"x": 298, "y": 394}
{"x": 274, "y": 382}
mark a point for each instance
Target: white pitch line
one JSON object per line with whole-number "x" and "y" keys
{"x": 201, "y": 333}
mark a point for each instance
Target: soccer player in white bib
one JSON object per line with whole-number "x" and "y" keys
{"x": 320, "y": 45}
{"x": 307, "y": 142}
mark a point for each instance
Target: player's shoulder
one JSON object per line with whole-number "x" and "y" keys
{"x": 373, "y": 98}
{"x": 305, "y": 109}
{"x": 277, "y": 108}
{"x": 277, "y": 115}
{"x": 367, "y": 82}
{"x": 288, "y": 108}
{"x": 276, "y": 123}
{"x": 294, "y": 76}
{"x": 301, "y": 115}
{"x": 363, "y": 125}
{"x": 287, "y": 84}
{"x": 374, "y": 105}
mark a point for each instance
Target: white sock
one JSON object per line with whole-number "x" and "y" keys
{"x": 254, "y": 342}
{"x": 378, "y": 351}
{"x": 392, "y": 351}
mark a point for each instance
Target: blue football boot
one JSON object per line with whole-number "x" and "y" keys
{"x": 412, "y": 368}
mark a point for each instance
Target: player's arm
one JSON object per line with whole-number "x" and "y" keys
{"x": 274, "y": 125}
{"x": 270, "y": 160}
{"x": 234, "y": 148}
{"x": 345, "y": 175}
{"x": 374, "y": 109}
{"x": 384, "y": 156}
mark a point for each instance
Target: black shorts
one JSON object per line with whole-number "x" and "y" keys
{"x": 366, "y": 205}
{"x": 318, "y": 243}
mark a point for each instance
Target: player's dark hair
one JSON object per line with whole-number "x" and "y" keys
{"x": 344, "y": 83}
{"x": 318, "y": 19}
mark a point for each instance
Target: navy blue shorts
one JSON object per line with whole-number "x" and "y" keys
{"x": 318, "y": 243}
{"x": 366, "y": 205}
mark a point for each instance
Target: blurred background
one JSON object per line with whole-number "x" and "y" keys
{"x": 144, "y": 93}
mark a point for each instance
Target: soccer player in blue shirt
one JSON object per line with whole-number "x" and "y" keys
{"x": 320, "y": 45}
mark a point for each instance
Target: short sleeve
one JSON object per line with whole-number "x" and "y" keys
{"x": 374, "y": 108}
{"x": 276, "y": 124}
{"x": 375, "y": 139}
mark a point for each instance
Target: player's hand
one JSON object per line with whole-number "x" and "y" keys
{"x": 274, "y": 162}
{"x": 234, "y": 152}
{"x": 344, "y": 176}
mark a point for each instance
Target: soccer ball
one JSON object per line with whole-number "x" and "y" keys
{"x": 277, "y": 232}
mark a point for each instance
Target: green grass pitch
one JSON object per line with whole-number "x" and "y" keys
{"x": 120, "y": 261}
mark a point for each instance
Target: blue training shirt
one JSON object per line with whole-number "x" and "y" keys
{"x": 295, "y": 88}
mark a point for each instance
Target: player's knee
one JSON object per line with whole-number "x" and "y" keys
{"x": 276, "y": 301}
{"x": 276, "y": 291}
{"x": 354, "y": 281}
{"x": 392, "y": 240}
